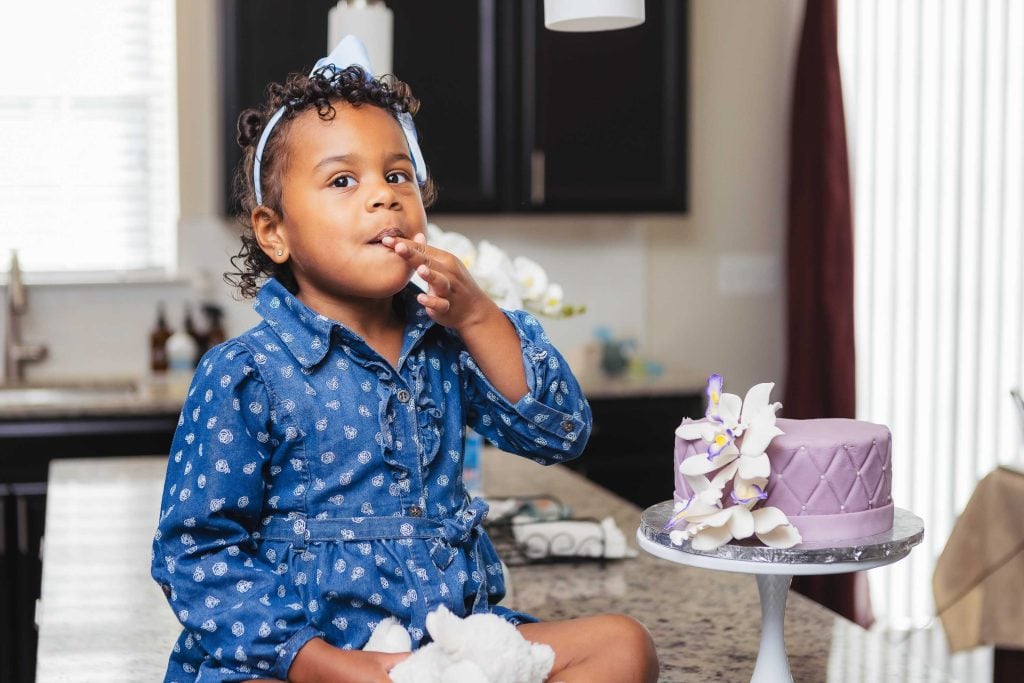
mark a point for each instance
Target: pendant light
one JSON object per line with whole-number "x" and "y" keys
{"x": 592, "y": 15}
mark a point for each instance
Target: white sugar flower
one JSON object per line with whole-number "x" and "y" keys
{"x": 708, "y": 527}
{"x": 737, "y": 433}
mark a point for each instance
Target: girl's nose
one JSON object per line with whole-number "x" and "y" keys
{"x": 381, "y": 195}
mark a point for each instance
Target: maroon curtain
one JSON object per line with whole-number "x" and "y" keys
{"x": 820, "y": 348}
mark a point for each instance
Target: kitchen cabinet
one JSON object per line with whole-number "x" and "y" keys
{"x": 7, "y": 649}
{"x": 27, "y": 445}
{"x": 515, "y": 118}
{"x": 603, "y": 114}
{"x": 632, "y": 441}
{"x": 22, "y": 515}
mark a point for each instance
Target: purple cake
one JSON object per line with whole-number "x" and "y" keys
{"x": 832, "y": 477}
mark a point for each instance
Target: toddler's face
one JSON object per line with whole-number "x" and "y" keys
{"x": 348, "y": 182}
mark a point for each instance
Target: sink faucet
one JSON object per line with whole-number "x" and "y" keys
{"x": 17, "y": 354}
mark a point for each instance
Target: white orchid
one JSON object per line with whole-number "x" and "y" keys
{"x": 531, "y": 278}
{"x": 737, "y": 433}
{"x": 519, "y": 283}
{"x": 728, "y": 419}
{"x": 707, "y": 532}
{"x": 455, "y": 242}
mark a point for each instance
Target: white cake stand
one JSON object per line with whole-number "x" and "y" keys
{"x": 774, "y": 569}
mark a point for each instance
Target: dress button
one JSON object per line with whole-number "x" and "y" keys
{"x": 403, "y": 395}
{"x": 415, "y": 511}
{"x": 567, "y": 425}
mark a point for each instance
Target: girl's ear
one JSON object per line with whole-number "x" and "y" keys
{"x": 267, "y": 227}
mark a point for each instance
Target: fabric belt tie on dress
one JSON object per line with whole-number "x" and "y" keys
{"x": 460, "y": 530}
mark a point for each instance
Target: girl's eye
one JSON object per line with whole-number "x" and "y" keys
{"x": 397, "y": 177}
{"x": 344, "y": 181}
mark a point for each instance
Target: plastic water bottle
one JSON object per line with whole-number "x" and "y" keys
{"x": 472, "y": 468}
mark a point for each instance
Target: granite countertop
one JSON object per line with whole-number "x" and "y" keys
{"x": 100, "y": 611}
{"x": 83, "y": 398}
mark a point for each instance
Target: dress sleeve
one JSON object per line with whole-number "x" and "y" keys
{"x": 241, "y": 607}
{"x": 552, "y": 422}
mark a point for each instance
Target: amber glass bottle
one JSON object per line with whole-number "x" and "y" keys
{"x": 158, "y": 342}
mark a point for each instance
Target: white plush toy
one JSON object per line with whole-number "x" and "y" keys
{"x": 482, "y": 648}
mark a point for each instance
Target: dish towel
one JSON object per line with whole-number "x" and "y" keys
{"x": 979, "y": 577}
{"x": 571, "y": 538}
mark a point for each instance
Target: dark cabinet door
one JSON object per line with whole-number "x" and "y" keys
{"x": 514, "y": 117}
{"x": 604, "y": 114}
{"x": 263, "y": 41}
{"x": 7, "y": 620}
{"x": 30, "y": 518}
{"x": 22, "y": 516}
{"x": 449, "y": 54}
{"x": 631, "y": 444}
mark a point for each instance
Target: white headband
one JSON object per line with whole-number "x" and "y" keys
{"x": 349, "y": 52}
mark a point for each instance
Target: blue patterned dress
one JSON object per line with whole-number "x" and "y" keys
{"x": 312, "y": 489}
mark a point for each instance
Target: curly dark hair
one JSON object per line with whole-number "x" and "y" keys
{"x": 299, "y": 92}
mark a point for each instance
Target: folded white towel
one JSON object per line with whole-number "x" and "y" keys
{"x": 571, "y": 538}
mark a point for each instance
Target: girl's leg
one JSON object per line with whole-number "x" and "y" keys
{"x": 607, "y": 648}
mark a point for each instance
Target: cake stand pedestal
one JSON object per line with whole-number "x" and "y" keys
{"x": 774, "y": 569}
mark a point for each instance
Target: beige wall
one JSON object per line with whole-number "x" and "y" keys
{"x": 701, "y": 293}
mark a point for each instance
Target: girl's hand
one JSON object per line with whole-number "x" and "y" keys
{"x": 453, "y": 298}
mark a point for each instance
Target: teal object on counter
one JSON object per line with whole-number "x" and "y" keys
{"x": 472, "y": 468}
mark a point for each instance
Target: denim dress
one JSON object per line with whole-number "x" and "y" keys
{"x": 313, "y": 489}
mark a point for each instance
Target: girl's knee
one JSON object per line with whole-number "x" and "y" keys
{"x": 632, "y": 637}
{"x": 627, "y": 630}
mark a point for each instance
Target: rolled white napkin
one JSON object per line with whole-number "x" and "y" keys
{"x": 571, "y": 538}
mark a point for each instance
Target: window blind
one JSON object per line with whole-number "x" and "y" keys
{"x": 934, "y": 95}
{"x": 88, "y": 180}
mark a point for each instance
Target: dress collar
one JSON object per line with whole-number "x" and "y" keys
{"x": 307, "y": 334}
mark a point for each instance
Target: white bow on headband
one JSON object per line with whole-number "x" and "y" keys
{"x": 349, "y": 52}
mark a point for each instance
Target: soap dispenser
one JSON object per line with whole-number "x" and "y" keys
{"x": 181, "y": 360}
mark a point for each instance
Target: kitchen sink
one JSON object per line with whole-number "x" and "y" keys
{"x": 66, "y": 394}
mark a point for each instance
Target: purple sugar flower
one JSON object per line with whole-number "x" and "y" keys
{"x": 721, "y": 442}
{"x": 714, "y": 392}
{"x": 761, "y": 495}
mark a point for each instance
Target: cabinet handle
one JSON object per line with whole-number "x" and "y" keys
{"x": 3, "y": 523}
{"x": 537, "y": 177}
{"x": 21, "y": 518}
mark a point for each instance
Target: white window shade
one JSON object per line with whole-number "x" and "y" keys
{"x": 88, "y": 177}
{"x": 934, "y": 95}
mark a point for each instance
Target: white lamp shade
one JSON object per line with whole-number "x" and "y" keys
{"x": 371, "y": 22}
{"x": 592, "y": 15}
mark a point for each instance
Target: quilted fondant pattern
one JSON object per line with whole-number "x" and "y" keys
{"x": 815, "y": 479}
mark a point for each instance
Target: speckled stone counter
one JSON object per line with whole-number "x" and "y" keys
{"x": 102, "y": 618}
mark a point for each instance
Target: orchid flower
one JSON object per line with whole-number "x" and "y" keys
{"x": 531, "y": 278}
{"x": 553, "y": 304}
{"x": 708, "y": 528}
{"x": 519, "y": 283}
{"x": 744, "y": 461}
{"x": 455, "y": 242}
{"x": 769, "y": 525}
{"x": 714, "y": 392}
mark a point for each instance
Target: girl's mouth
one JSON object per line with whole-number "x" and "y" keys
{"x": 389, "y": 232}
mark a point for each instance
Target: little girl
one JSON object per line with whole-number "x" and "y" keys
{"x": 314, "y": 485}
